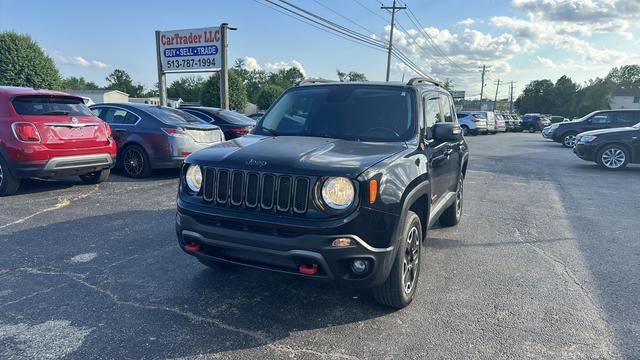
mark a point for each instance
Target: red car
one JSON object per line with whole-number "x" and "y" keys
{"x": 50, "y": 134}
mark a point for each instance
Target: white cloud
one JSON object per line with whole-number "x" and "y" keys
{"x": 466, "y": 22}
{"x": 250, "y": 63}
{"x": 63, "y": 59}
{"x": 285, "y": 65}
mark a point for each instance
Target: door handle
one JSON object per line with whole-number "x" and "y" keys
{"x": 448, "y": 151}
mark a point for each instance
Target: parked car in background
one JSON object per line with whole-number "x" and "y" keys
{"x": 257, "y": 115}
{"x": 603, "y": 119}
{"x": 548, "y": 131}
{"x": 488, "y": 116}
{"x": 153, "y": 137}
{"x": 473, "y": 124}
{"x": 612, "y": 149}
{"x": 49, "y": 134}
{"x": 501, "y": 123}
{"x": 534, "y": 122}
{"x": 515, "y": 122}
{"x": 558, "y": 119}
{"x": 232, "y": 124}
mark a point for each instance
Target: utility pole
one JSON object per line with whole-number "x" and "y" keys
{"x": 393, "y": 9}
{"x": 162, "y": 77}
{"x": 224, "y": 68}
{"x": 484, "y": 69}
{"x": 511, "y": 97}
{"x": 495, "y": 100}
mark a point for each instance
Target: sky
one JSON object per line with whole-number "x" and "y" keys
{"x": 518, "y": 40}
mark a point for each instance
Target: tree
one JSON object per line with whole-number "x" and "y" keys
{"x": 121, "y": 80}
{"x": 268, "y": 94}
{"x": 237, "y": 93}
{"x": 564, "y": 92}
{"x": 594, "y": 96}
{"x": 625, "y": 75}
{"x": 285, "y": 78}
{"x": 187, "y": 88}
{"x": 24, "y": 63}
{"x": 537, "y": 97}
{"x": 351, "y": 76}
{"x": 78, "y": 83}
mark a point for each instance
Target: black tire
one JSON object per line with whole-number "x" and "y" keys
{"x": 9, "y": 184}
{"x": 398, "y": 290}
{"x": 569, "y": 139}
{"x": 532, "y": 129}
{"x": 613, "y": 157}
{"x": 465, "y": 130}
{"x": 96, "y": 177}
{"x": 215, "y": 264}
{"x": 134, "y": 162}
{"x": 452, "y": 215}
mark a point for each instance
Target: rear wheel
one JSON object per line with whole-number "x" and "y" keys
{"x": 532, "y": 129}
{"x": 569, "y": 140}
{"x": 465, "y": 130}
{"x": 96, "y": 177}
{"x": 9, "y": 184}
{"x": 135, "y": 162}
{"x": 452, "y": 215}
{"x": 613, "y": 157}
{"x": 400, "y": 287}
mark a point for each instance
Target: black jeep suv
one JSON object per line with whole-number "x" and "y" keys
{"x": 338, "y": 182}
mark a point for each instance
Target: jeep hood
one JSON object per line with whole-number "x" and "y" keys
{"x": 296, "y": 155}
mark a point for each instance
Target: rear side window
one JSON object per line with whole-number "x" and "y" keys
{"x": 50, "y": 105}
{"x": 201, "y": 116}
{"x": 627, "y": 118}
{"x": 171, "y": 116}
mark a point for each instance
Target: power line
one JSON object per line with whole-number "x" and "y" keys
{"x": 344, "y": 17}
{"x": 371, "y": 11}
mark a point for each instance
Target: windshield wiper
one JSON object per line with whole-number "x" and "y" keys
{"x": 270, "y": 131}
{"x": 56, "y": 112}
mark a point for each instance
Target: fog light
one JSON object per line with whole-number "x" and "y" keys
{"x": 341, "y": 242}
{"x": 359, "y": 266}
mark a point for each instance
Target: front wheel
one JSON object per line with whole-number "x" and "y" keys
{"x": 465, "y": 130}
{"x": 569, "y": 140}
{"x": 96, "y": 177}
{"x": 400, "y": 287}
{"x": 532, "y": 129}
{"x": 9, "y": 184}
{"x": 613, "y": 157}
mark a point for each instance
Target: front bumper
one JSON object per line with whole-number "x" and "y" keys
{"x": 585, "y": 151}
{"x": 285, "y": 249}
{"x": 547, "y": 133}
{"x": 61, "y": 166}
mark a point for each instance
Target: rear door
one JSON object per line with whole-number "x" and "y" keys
{"x": 625, "y": 118}
{"x": 122, "y": 121}
{"x": 63, "y": 122}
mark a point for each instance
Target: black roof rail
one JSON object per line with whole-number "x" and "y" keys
{"x": 423, "y": 80}
{"x": 313, "y": 81}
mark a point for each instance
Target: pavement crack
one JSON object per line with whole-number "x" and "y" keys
{"x": 33, "y": 294}
{"x": 62, "y": 203}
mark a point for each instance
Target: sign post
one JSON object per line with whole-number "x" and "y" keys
{"x": 192, "y": 50}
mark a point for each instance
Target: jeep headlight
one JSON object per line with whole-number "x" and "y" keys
{"x": 338, "y": 193}
{"x": 194, "y": 178}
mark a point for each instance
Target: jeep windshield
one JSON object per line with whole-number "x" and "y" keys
{"x": 350, "y": 112}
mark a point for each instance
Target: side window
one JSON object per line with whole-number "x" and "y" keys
{"x": 602, "y": 118}
{"x": 118, "y": 117}
{"x": 96, "y": 112}
{"x": 432, "y": 113}
{"x": 626, "y": 118}
{"x": 447, "y": 109}
{"x": 201, "y": 116}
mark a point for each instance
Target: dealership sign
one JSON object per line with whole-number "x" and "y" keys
{"x": 190, "y": 49}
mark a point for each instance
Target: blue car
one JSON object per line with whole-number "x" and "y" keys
{"x": 471, "y": 123}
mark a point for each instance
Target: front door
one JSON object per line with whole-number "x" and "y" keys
{"x": 437, "y": 151}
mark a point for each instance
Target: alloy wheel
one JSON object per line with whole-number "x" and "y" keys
{"x": 133, "y": 162}
{"x": 410, "y": 261}
{"x": 570, "y": 140}
{"x": 1, "y": 175}
{"x": 613, "y": 158}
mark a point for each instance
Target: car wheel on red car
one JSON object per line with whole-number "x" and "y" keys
{"x": 96, "y": 177}
{"x": 9, "y": 184}
{"x": 135, "y": 162}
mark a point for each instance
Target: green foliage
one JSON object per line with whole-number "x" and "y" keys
{"x": 286, "y": 78}
{"x": 121, "y": 80}
{"x": 187, "y": 88}
{"x": 24, "y": 63}
{"x": 563, "y": 95}
{"x": 595, "y": 96}
{"x": 268, "y": 94}
{"x": 537, "y": 96}
{"x": 78, "y": 83}
{"x": 210, "y": 95}
{"x": 625, "y": 75}
{"x": 351, "y": 76}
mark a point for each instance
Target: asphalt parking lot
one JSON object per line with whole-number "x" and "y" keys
{"x": 545, "y": 264}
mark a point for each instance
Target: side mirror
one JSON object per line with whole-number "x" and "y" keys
{"x": 447, "y": 132}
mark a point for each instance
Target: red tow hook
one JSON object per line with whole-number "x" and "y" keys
{"x": 192, "y": 247}
{"x": 308, "y": 269}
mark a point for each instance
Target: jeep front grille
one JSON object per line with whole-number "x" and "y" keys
{"x": 256, "y": 190}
